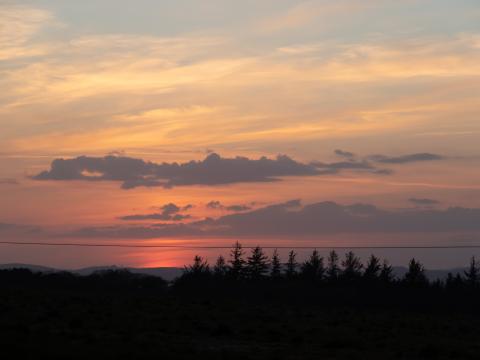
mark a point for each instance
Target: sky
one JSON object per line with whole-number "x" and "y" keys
{"x": 273, "y": 122}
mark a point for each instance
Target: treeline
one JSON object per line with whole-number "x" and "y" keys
{"x": 100, "y": 282}
{"x": 253, "y": 275}
{"x": 257, "y": 266}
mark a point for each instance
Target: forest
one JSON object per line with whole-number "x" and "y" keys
{"x": 246, "y": 306}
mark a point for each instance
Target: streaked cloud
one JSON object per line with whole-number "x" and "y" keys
{"x": 406, "y": 158}
{"x": 291, "y": 219}
{"x": 9, "y": 181}
{"x": 217, "y": 205}
{"x": 423, "y": 202}
{"x": 14, "y": 230}
{"x": 19, "y": 25}
{"x": 169, "y": 212}
{"x": 198, "y": 79}
{"x": 303, "y": 13}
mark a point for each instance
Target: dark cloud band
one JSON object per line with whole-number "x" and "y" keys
{"x": 168, "y": 212}
{"x": 213, "y": 170}
{"x": 291, "y": 219}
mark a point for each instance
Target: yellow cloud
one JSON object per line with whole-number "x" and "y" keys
{"x": 18, "y": 25}
{"x": 117, "y": 91}
{"x": 309, "y": 11}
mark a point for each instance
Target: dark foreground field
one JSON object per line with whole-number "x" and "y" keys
{"x": 122, "y": 316}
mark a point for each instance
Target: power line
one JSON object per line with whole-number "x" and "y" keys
{"x": 207, "y": 247}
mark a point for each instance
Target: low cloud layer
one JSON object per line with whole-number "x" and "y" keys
{"x": 405, "y": 159}
{"x": 423, "y": 202}
{"x": 8, "y": 181}
{"x": 217, "y": 205}
{"x": 213, "y": 170}
{"x": 168, "y": 212}
{"x": 12, "y": 230}
{"x": 372, "y": 163}
{"x": 292, "y": 219}
{"x": 345, "y": 154}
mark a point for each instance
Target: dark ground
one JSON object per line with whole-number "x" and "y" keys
{"x": 144, "y": 319}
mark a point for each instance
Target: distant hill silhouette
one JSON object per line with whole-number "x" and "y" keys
{"x": 167, "y": 273}
{"x": 171, "y": 273}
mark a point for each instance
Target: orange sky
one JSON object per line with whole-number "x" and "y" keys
{"x": 174, "y": 82}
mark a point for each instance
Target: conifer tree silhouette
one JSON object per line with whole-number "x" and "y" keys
{"x": 453, "y": 282}
{"x": 220, "y": 269}
{"x": 291, "y": 265}
{"x": 276, "y": 270}
{"x": 333, "y": 269}
{"x": 199, "y": 268}
{"x": 313, "y": 268}
{"x": 372, "y": 270}
{"x": 237, "y": 263}
{"x": 352, "y": 266}
{"x": 415, "y": 274}
{"x": 472, "y": 274}
{"x": 257, "y": 264}
{"x": 386, "y": 273}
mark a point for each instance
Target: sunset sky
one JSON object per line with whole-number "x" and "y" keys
{"x": 275, "y": 122}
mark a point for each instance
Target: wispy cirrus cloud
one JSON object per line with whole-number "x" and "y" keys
{"x": 197, "y": 80}
{"x": 305, "y": 12}
{"x": 405, "y": 159}
{"x": 369, "y": 163}
{"x": 9, "y": 181}
{"x": 12, "y": 230}
{"x": 19, "y": 26}
{"x": 423, "y": 201}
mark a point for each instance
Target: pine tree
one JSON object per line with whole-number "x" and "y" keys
{"x": 454, "y": 282}
{"x": 220, "y": 269}
{"x": 372, "y": 269}
{"x": 257, "y": 264}
{"x": 473, "y": 273}
{"x": 237, "y": 263}
{"x": 386, "y": 273}
{"x": 291, "y": 265}
{"x": 415, "y": 274}
{"x": 313, "y": 268}
{"x": 333, "y": 270}
{"x": 200, "y": 268}
{"x": 276, "y": 271}
{"x": 352, "y": 266}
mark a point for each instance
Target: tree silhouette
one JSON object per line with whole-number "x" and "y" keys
{"x": 333, "y": 270}
{"x": 372, "y": 270}
{"x": 291, "y": 265}
{"x": 453, "y": 282}
{"x": 352, "y": 266}
{"x": 415, "y": 274}
{"x": 276, "y": 270}
{"x": 237, "y": 262}
{"x": 386, "y": 273}
{"x": 472, "y": 274}
{"x": 199, "y": 269}
{"x": 220, "y": 269}
{"x": 257, "y": 264}
{"x": 313, "y": 268}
